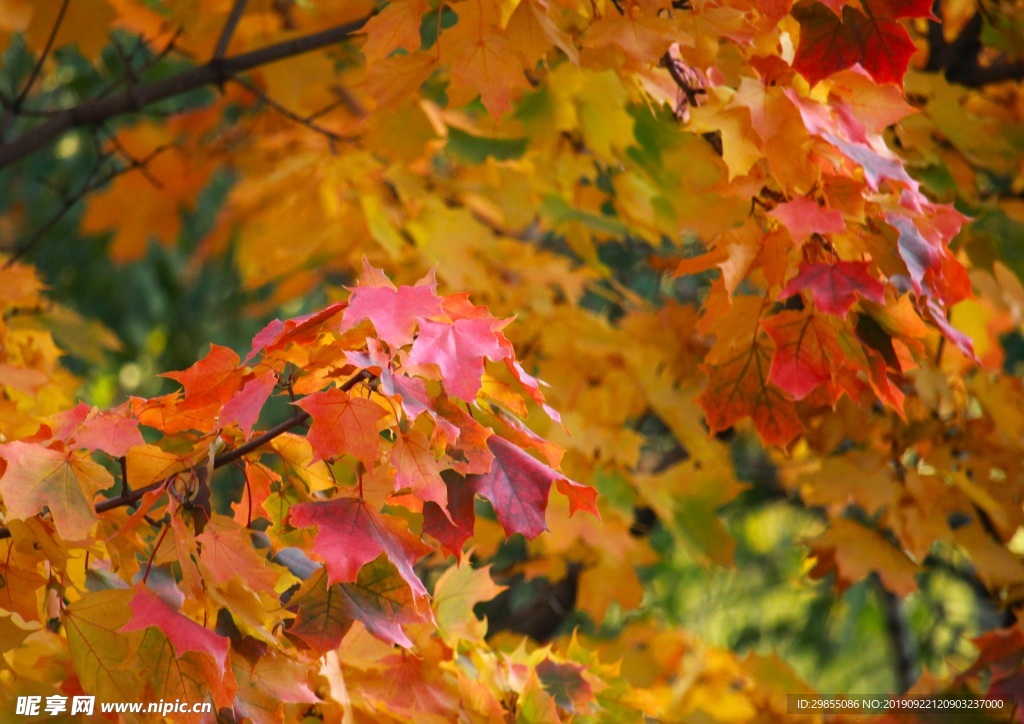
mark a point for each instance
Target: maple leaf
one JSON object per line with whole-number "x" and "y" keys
{"x": 226, "y": 551}
{"x": 243, "y": 409}
{"x": 581, "y": 497}
{"x": 487, "y": 64}
{"x": 37, "y": 477}
{"x": 393, "y": 312}
{"x": 111, "y": 432}
{"x": 565, "y": 682}
{"x": 21, "y": 580}
{"x": 920, "y": 255}
{"x": 396, "y": 26}
{"x": 739, "y": 387}
{"x": 343, "y": 425}
{"x": 876, "y": 164}
{"x": 212, "y": 379}
{"x": 829, "y": 43}
{"x": 517, "y": 486}
{"x": 264, "y": 687}
{"x": 459, "y": 349}
{"x": 806, "y": 351}
{"x": 379, "y": 598}
{"x": 803, "y": 217}
{"x": 185, "y": 635}
{"x": 532, "y": 33}
{"x": 835, "y": 287}
{"x": 278, "y": 334}
{"x": 452, "y": 526}
{"x": 382, "y": 601}
{"x": 147, "y": 464}
{"x": 350, "y": 534}
{"x": 1000, "y": 654}
{"x": 99, "y": 650}
{"x": 853, "y": 551}
{"x": 416, "y": 468}
{"x": 322, "y": 619}
{"x": 457, "y": 591}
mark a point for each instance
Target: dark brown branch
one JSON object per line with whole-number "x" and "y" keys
{"x": 15, "y": 107}
{"x": 228, "y": 31}
{"x": 129, "y": 496}
{"x": 242, "y": 450}
{"x": 215, "y": 72}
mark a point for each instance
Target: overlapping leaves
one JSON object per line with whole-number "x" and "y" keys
{"x": 384, "y": 446}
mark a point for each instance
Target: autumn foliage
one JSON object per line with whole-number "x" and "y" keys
{"x": 710, "y": 227}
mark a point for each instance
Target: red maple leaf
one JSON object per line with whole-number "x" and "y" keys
{"x": 803, "y": 217}
{"x": 829, "y": 43}
{"x": 806, "y": 350}
{"x": 244, "y": 408}
{"x": 212, "y": 379}
{"x": 452, "y": 528}
{"x": 739, "y": 387}
{"x": 342, "y": 425}
{"x": 278, "y": 334}
{"x": 834, "y": 287}
{"x": 183, "y": 633}
{"x": 393, "y": 312}
{"x": 517, "y": 486}
{"x": 459, "y": 349}
{"x": 350, "y": 534}
{"x": 110, "y": 432}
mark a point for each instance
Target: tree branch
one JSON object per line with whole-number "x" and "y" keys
{"x": 13, "y": 110}
{"x": 228, "y": 31}
{"x": 130, "y": 495}
{"x": 215, "y": 72}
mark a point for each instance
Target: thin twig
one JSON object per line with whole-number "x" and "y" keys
{"x": 133, "y": 161}
{"x": 306, "y": 121}
{"x": 92, "y": 183}
{"x": 228, "y": 30}
{"x": 15, "y": 108}
{"x": 170, "y": 46}
{"x": 215, "y": 72}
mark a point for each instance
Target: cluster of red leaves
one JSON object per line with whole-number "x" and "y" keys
{"x": 404, "y": 432}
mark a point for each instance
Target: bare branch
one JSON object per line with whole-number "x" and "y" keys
{"x": 229, "y": 29}
{"x": 215, "y": 72}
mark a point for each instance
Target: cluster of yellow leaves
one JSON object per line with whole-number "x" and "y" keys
{"x": 32, "y": 380}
